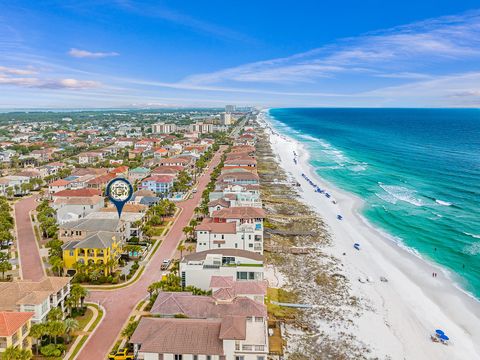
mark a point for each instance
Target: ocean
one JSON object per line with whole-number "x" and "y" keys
{"x": 418, "y": 171}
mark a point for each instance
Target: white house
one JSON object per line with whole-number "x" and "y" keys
{"x": 228, "y": 235}
{"x": 197, "y": 269}
{"x": 38, "y": 297}
{"x": 75, "y": 208}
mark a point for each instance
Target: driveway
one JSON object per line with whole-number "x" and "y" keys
{"x": 119, "y": 303}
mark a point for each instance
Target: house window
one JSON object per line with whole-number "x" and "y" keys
{"x": 239, "y": 357}
{"x": 260, "y": 357}
{"x": 208, "y": 357}
{"x": 223, "y": 237}
{"x": 71, "y": 252}
{"x": 195, "y": 357}
{"x": 178, "y": 357}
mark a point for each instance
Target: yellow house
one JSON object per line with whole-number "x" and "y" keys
{"x": 101, "y": 247}
{"x": 14, "y": 329}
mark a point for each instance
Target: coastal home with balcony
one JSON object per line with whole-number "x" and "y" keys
{"x": 228, "y": 235}
{"x": 90, "y": 157}
{"x": 100, "y": 182}
{"x": 197, "y": 269}
{"x": 14, "y": 330}
{"x": 38, "y": 297}
{"x": 237, "y": 326}
{"x": 242, "y": 177}
{"x": 80, "y": 229}
{"x": 159, "y": 184}
{"x": 138, "y": 173}
{"x": 58, "y": 185}
{"x": 101, "y": 247}
{"x": 74, "y": 208}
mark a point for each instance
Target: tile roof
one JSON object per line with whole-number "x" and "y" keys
{"x": 179, "y": 336}
{"x": 78, "y": 192}
{"x": 233, "y": 328}
{"x": 205, "y": 307}
{"x": 59, "y": 182}
{"x": 216, "y": 228}
{"x": 159, "y": 179}
{"x": 78, "y": 200}
{"x": 20, "y": 292}
{"x": 11, "y": 322}
{"x": 241, "y": 212}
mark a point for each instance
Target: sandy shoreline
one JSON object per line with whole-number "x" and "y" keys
{"x": 406, "y": 309}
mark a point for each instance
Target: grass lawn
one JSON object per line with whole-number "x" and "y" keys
{"x": 281, "y": 295}
{"x": 83, "y": 320}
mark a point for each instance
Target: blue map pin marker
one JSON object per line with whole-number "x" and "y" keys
{"x": 119, "y": 191}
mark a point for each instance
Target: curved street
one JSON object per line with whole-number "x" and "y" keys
{"x": 121, "y": 302}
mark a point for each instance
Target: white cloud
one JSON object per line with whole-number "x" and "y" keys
{"x": 89, "y": 54}
{"x": 397, "y": 50}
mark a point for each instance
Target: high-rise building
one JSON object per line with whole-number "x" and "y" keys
{"x": 201, "y": 127}
{"x": 226, "y": 119}
{"x": 162, "y": 128}
{"x": 230, "y": 108}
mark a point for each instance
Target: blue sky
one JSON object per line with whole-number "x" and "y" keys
{"x": 126, "y": 53}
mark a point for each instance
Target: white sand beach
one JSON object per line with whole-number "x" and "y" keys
{"x": 407, "y": 309}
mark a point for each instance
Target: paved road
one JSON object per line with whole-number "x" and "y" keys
{"x": 119, "y": 303}
{"x": 30, "y": 261}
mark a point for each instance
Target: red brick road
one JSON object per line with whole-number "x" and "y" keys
{"x": 30, "y": 261}
{"x": 119, "y": 303}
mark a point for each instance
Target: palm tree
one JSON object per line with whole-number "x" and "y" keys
{"x": 70, "y": 325}
{"x": 57, "y": 264}
{"x": 128, "y": 331}
{"x": 16, "y": 353}
{"x": 55, "y": 329}
{"x": 37, "y": 331}
{"x": 78, "y": 292}
{"x": 191, "y": 248}
{"x": 181, "y": 247}
{"x": 56, "y": 314}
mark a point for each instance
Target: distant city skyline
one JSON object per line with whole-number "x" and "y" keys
{"x": 136, "y": 54}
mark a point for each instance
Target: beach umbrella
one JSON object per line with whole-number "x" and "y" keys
{"x": 439, "y": 332}
{"x": 444, "y": 337}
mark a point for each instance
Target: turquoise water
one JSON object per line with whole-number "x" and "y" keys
{"x": 418, "y": 171}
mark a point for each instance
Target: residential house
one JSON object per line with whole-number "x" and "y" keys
{"x": 160, "y": 153}
{"x": 14, "y": 330}
{"x": 80, "y": 229}
{"x": 76, "y": 207}
{"x": 229, "y": 329}
{"x": 90, "y": 157}
{"x": 159, "y": 184}
{"x": 38, "y": 297}
{"x": 211, "y": 234}
{"x": 99, "y": 247}
{"x": 226, "y": 287}
{"x": 198, "y": 268}
{"x": 100, "y": 182}
{"x": 138, "y": 173}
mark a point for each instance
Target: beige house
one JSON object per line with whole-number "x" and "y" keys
{"x": 38, "y": 297}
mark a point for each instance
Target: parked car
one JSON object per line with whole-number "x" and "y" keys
{"x": 121, "y": 354}
{"x": 165, "y": 264}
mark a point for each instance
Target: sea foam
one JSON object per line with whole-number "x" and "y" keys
{"x": 402, "y": 193}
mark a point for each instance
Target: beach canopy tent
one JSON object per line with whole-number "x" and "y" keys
{"x": 439, "y": 332}
{"x": 444, "y": 337}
